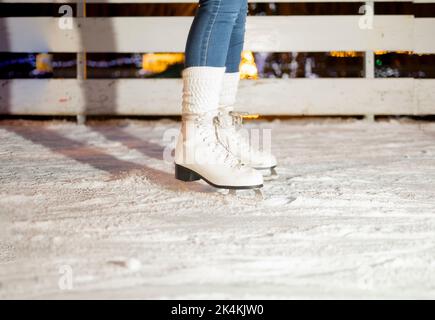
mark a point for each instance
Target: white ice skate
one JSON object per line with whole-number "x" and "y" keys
{"x": 199, "y": 154}
{"x": 229, "y": 124}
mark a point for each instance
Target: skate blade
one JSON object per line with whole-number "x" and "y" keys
{"x": 257, "y": 196}
{"x": 272, "y": 175}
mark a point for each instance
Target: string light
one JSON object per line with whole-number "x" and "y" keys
{"x": 345, "y": 54}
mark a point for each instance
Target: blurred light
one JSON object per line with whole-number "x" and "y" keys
{"x": 382, "y": 52}
{"x": 345, "y": 54}
{"x": 248, "y": 68}
{"x": 44, "y": 63}
{"x": 153, "y": 63}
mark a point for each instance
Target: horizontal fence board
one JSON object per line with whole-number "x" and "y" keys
{"x": 424, "y": 29}
{"x": 328, "y": 33}
{"x": 168, "y": 34}
{"x": 425, "y": 96}
{"x": 266, "y": 96}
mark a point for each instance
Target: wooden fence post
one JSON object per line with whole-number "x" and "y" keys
{"x": 81, "y": 61}
{"x": 369, "y": 62}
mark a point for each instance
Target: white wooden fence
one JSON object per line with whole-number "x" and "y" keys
{"x": 358, "y": 96}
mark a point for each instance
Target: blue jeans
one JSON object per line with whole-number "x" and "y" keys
{"x": 217, "y": 34}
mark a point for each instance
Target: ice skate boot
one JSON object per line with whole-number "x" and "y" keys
{"x": 230, "y": 135}
{"x": 199, "y": 154}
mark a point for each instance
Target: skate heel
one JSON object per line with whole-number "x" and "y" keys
{"x": 184, "y": 174}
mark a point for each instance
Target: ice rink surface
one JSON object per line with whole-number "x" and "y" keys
{"x": 94, "y": 212}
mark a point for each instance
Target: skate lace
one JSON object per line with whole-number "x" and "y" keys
{"x": 206, "y": 124}
{"x": 233, "y": 121}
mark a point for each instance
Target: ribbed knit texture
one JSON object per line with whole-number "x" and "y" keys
{"x": 230, "y": 84}
{"x": 201, "y": 88}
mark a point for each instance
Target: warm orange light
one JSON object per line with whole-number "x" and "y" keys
{"x": 251, "y": 116}
{"x": 160, "y": 62}
{"x": 381, "y": 52}
{"x": 43, "y": 62}
{"x": 344, "y": 54}
{"x": 248, "y": 67}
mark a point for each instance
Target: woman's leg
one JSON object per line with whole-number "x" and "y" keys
{"x": 231, "y": 78}
{"x": 211, "y": 33}
{"x": 199, "y": 154}
{"x": 237, "y": 40}
{"x": 229, "y": 135}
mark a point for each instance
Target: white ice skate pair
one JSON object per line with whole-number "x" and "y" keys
{"x": 209, "y": 146}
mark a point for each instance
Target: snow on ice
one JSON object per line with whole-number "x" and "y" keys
{"x": 352, "y": 215}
